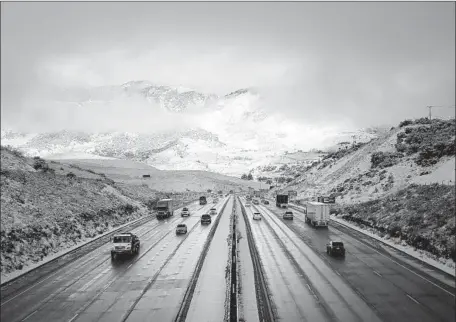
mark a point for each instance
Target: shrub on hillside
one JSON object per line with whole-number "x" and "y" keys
{"x": 40, "y": 164}
{"x": 71, "y": 175}
{"x": 385, "y": 159}
{"x": 432, "y": 141}
{"x": 405, "y": 123}
{"x": 421, "y": 215}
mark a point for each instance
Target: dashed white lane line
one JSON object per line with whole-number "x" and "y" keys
{"x": 413, "y": 299}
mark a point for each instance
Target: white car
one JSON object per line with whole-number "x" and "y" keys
{"x": 185, "y": 212}
{"x": 181, "y": 229}
{"x": 213, "y": 211}
{"x": 288, "y": 215}
{"x": 247, "y": 204}
{"x": 256, "y": 216}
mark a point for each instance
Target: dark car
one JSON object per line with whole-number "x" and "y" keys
{"x": 206, "y": 219}
{"x": 335, "y": 248}
{"x": 266, "y": 202}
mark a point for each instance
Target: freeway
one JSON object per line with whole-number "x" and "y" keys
{"x": 390, "y": 287}
{"x": 93, "y": 288}
{"x": 235, "y": 268}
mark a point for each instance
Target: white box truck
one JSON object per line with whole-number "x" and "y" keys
{"x": 165, "y": 208}
{"x": 317, "y": 214}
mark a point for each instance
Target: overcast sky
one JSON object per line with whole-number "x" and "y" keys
{"x": 369, "y": 62}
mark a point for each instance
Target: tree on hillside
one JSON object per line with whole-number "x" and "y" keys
{"x": 250, "y": 177}
{"x": 244, "y": 176}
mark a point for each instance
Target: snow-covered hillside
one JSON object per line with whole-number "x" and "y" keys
{"x": 48, "y": 207}
{"x": 131, "y": 172}
{"x": 369, "y": 171}
{"x": 179, "y": 129}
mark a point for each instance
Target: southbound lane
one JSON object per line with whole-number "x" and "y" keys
{"x": 395, "y": 292}
{"x": 80, "y": 287}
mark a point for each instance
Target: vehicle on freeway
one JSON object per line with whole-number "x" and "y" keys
{"x": 124, "y": 244}
{"x": 288, "y": 215}
{"x": 256, "y": 202}
{"x": 266, "y": 202}
{"x": 206, "y": 219}
{"x": 282, "y": 201}
{"x": 165, "y": 208}
{"x": 216, "y": 200}
{"x": 203, "y": 200}
{"x": 256, "y": 216}
{"x": 248, "y": 204}
{"x": 335, "y": 248}
{"x": 185, "y": 212}
{"x": 317, "y": 214}
{"x": 213, "y": 211}
{"x": 181, "y": 229}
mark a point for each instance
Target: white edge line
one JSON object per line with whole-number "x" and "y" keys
{"x": 29, "y": 315}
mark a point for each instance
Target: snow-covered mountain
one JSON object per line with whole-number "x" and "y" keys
{"x": 229, "y": 134}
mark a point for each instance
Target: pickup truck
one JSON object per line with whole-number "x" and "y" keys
{"x": 124, "y": 244}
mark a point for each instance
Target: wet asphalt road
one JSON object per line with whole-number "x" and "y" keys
{"x": 305, "y": 283}
{"x": 139, "y": 288}
{"x": 315, "y": 292}
{"x": 391, "y": 288}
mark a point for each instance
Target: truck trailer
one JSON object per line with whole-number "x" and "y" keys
{"x": 282, "y": 201}
{"x": 317, "y": 214}
{"x": 203, "y": 200}
{"x": 165, "y": 208}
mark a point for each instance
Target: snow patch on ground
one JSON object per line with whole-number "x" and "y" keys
{"x": 443, "y": 172}
{"x": 74, "y": 155}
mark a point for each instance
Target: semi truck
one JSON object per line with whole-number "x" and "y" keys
{"x": 203, "y": 200}
{"x": 282, "y": 201}
{"x": 326, "y": 199}
{"x": 165, "y": 208}
{"x": 317, "y": 214}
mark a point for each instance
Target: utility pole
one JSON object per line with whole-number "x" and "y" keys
{"x": 431, "y": 106}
